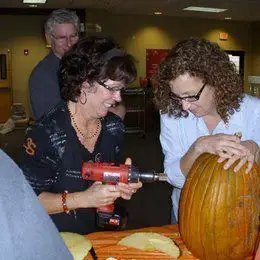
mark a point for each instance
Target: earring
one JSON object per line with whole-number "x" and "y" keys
{"x": 83, "y": 100}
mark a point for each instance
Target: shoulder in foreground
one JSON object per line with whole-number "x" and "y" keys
{"x": 113, "y": 123}
{"x": 6, "y": 162}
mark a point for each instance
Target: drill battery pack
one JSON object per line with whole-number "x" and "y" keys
{"x": 112, "y": 221}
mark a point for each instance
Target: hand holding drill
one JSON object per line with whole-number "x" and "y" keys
{"x": 127, "y": 190}
{"x": 109, "y": 193}
{"x": 124, "y": 179}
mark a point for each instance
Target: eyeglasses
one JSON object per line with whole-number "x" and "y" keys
{"x": 111, "y": 89}
{"x": 65, "y": 39}
{"x": 192, "y": 98}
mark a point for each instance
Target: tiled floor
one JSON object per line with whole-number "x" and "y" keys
{"x": 150, "y": 206}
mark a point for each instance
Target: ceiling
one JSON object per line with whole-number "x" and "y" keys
{"x": 242, "y": 10}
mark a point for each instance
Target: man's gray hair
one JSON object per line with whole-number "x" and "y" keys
{"x": 61, "y": 16}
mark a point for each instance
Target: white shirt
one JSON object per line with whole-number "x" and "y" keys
{"x": 177, "y": 135}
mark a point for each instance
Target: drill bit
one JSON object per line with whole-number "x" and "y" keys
{"x": 162, "y": 177}
{"x": 149, "y": 176}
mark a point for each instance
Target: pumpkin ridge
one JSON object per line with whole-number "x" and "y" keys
{"x": 230, "y": 192}
{"x": 218, "y": 193}
{"x": 193, "y": 183}
{"x": 241, "y": 192}
{"x": 188, "y": 192}
{"x": 223, "y": 195}
{"x": 211, "y": 239}
{"x": 194, "y": 207}
{"x": 253, "y": 179}
{"x": 209, "y": 176}
{"x": 245, "y": 213}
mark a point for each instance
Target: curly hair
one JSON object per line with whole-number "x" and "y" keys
{"x": 95, "y": 59}
{"x": 205, "y": 60}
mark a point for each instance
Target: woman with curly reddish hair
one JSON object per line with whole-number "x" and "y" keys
{"x": 202, "y": 105}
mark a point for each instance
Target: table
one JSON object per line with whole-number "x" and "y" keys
{"x": 105, "y": 244}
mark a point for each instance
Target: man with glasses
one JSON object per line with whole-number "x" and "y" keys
{"x": 202, "y": 105}
{"x": 62, "y": 30}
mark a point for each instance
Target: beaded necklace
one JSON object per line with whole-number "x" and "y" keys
{"x": 80, "y": 132}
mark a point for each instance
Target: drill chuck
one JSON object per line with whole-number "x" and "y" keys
{"x": 150, "y": 176}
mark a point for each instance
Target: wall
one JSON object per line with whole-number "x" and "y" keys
{"x": 19, "y": 32}
{"x": 135, "y": 33}
{"x": 138, "y": 33}
{"x": 255, "y": 49}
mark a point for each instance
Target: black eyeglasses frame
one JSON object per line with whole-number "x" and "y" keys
{"x": 111, "y": 89}
{"x": 192, "y": 98}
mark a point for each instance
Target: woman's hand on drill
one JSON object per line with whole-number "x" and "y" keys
{"x": 127, "y": 190}
{"x": 99, "y": 195}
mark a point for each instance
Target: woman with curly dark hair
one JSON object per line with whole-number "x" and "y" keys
{"x": 80, "y": 129}
{"x": 200, "y": 97}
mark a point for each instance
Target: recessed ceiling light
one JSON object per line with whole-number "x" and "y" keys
{"x": 32, "y": 6}
{"x": 157, "y": 13}
{"x": 204, "y": 9}
{"x": 34, "y": 1}
{"x": 228, "y": 18}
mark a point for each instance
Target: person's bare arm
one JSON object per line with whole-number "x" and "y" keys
{"x": 97, "y": 195}
{"x": 188, "y": 159}
{"x": 221, "y": 144}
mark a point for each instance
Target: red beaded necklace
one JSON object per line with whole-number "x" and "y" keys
{"x": 80, "y": 132}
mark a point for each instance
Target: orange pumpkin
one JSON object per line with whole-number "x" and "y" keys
{"x": 219, "y": 210}
{"x": 257, "y": 256}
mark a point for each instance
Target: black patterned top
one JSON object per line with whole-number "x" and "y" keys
{"x": 52, "y": 157}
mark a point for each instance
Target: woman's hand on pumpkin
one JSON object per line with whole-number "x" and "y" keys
{"x": 99, "y": 195}
{"x": 221, "y": 144}
{"x": 242, "y": 160}
{"x": 251, "y": 155}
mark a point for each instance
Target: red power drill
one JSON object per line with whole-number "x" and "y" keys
{"x": 111, "y": 174}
